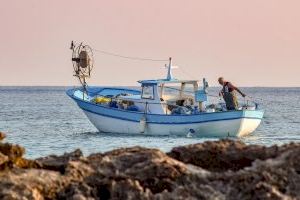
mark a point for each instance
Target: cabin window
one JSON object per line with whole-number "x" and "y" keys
{"x": 148, "y": 92}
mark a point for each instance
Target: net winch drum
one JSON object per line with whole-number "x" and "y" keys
{"x": 84, "y": 60}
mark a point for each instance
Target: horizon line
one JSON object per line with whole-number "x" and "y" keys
{"x": 136, "y": 86}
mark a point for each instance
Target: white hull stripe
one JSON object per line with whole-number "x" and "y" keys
{"x": 153, "y": 122}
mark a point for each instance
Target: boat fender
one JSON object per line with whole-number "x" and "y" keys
{"x": 143, "y": 124}
{"x": 190, "y": 133}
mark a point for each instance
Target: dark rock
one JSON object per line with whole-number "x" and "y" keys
{"x": 11, "y": 155}
{"x": 274, "y": 178}
{"x": 223, "y": 169}
{"x": 59, "y": 163}
{"x": 12, "y": 151}
{"x": 30, "y": 184}
{"x": 3, "y": 160}
{"x": 226, "y": 154}
{"x": 2, "y": 136}
{"x": 150, "y": 167}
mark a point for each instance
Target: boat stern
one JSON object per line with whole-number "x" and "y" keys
{"x": 250, "y": 121}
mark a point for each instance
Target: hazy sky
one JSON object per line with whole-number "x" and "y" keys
{"x": 252, "y": 43}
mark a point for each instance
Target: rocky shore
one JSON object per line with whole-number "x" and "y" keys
{"x": 222, "y": 169}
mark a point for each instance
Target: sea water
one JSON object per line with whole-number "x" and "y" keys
{"x": 46, "y": 121}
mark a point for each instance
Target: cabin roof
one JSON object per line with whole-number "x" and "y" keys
{"x": 160, "y": 81}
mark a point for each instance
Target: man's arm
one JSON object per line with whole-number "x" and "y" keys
{"x": 237, "y": 89}
{"x": 221, "y": 94}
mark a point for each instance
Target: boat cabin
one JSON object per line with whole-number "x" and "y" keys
{"x": 157, "y": 97}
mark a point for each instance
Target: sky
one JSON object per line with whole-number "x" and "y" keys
{"x": 251, "y": 43}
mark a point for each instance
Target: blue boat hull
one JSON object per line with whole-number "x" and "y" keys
{"x": 220, "y": 124}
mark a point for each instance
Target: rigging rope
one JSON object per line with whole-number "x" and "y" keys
{"x": 187, "y": 74}
{"x": 159, "y": 60}
{"x": 129, "y": 57}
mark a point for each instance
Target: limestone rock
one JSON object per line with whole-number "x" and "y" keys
{"x": 2, "y": 136}
{"x": 3, "y": 159}
{"x": 59, "y": 163}
{"x": 222, "y": 169}
{"x": 226, "y": 154}
{"x": 12, "y": 151}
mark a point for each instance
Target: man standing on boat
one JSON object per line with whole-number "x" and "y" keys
{"x": 229, "y": 94}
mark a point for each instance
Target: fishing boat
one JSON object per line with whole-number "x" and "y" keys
{"x": 154, "y": 110}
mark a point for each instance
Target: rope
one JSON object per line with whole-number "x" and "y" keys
{"x": 129, "y": 57}
{"x": 257, "y": 100}
{"x": 187, "y": 74}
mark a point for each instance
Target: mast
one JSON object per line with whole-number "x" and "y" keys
{"x": 169, "y": 75}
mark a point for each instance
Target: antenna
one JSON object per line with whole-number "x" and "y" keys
{"x": 169, "y": 75}
{"x": 83, "y": 62}
{"x": 170, "y": 67}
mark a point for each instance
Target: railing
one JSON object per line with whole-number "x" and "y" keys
{"x": 192, "y": 109}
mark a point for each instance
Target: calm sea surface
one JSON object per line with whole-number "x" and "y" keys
{"x": 46, "y": 121}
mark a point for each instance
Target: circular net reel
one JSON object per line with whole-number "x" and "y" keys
{"x": 83, "y": 62}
